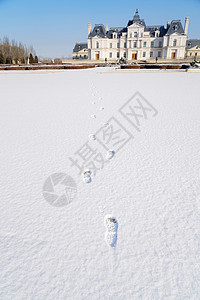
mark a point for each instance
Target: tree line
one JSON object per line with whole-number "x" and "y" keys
{"x": 16, "y": 53}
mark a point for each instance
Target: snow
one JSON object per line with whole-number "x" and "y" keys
{"x": 151, "y": 186}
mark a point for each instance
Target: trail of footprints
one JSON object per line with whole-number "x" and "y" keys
{"x": 110, "y": 154}
{"x": 110, "y": 222}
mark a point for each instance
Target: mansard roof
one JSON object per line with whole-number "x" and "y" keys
{"x": 153, "y": 29}
{"x": 136, "y": 19}
{"x": 141, "y": 22}
{"x": 192, "y": 43}
{"x": 80, "y": 46}
{"x": 117, "y": 30}
{"x": 98, "y": 30}
{"x": 175, "y": 27}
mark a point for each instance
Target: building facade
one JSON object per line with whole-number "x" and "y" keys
{"x": 137, "y": 41}
{"x": 193, "y": 49}
{"x": 80, "y": 51}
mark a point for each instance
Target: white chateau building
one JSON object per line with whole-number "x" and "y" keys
{"x": 137, "y": 41}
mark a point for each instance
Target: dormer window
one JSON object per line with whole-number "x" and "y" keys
{"x": 175, "y": 27}
{"x": 135, "y": 34}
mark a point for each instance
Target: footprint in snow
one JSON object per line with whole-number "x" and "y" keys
{"x": 87, "y": 176}
{"x": 101, "y": 108}
{"x": 93, "y": 116}
{"x": 92, "y": 137}
{"x": 110, "y": 154}
{"x": 111, "y": 225}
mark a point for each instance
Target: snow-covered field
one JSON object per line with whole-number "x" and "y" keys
{"x": 151, "y": 185}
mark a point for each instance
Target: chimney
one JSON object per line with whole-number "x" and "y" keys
{"x": 186, "y": 25}
{"x": 89, "y": 28}
{"x": 106, "y": 27}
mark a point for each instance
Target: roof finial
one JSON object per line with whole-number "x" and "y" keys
{"x": 136, "y": 16}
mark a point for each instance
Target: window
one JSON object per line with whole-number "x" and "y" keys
{"x": 125, "y": 45}
{"x": 152, "y": 44}
{"x": 130, "y": 44}
{"x": 151, "y": 54}
{"x": 131, "y": 35}
{"x": 159, "y": 53}
{"x": 144, "y": 54}
{"x": 124, "y": 54}
{"x": 118, "y": 45}
{"x": 174, "y": 43}
{"x": 160, "y": 44}
{"x": 195, "y": 54}
{"x": 135, "y": 34}
{"x": 97, "y": 45}
{"x": 135, "y": 45}
{"x": 117, "y": 54}
{"x": 157, "y": 34}
{"x": 145, "y": 44}
{"x": 110, "y": 55}
{"x": 110, "y": 45}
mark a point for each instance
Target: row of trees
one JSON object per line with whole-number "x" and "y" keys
{"x": 14, "y": 52}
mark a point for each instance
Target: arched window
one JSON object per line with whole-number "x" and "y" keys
{"x": 174, "y": 43}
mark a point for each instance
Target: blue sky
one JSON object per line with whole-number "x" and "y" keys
{"x": 53, "y": 27}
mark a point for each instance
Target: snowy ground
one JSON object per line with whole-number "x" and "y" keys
{"x": 151, "y": 185}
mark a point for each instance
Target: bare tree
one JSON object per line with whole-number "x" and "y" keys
{"x": 14, "y": 52}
